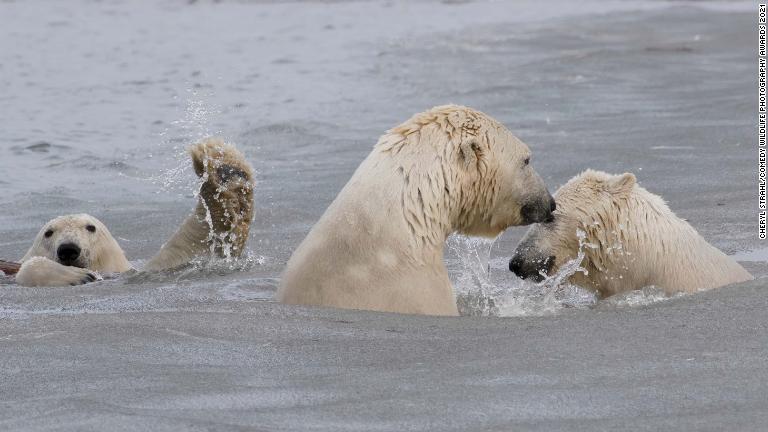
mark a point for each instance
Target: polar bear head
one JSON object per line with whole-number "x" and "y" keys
{"x": 602, "y": 206}
{"x": 464, "y": 171}
{"x": 79, "y": 240}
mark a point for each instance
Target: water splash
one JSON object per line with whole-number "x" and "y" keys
{"x": 194, "y": 124}
{"x": 478, "y": 295}
{"x": 220, "y": 266}
{"x": 200, "y": 268}
{"x": 642, "y": 297}
{"x": 199, "y": 115}
{"x": 475, "y": 291}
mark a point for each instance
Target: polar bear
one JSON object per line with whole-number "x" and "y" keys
{"x": 379, "y": 245}
{"x": 73, "y": 249}
{"x": 632, "y": 240}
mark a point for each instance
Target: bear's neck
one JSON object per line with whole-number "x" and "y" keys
{"x": 392, "y": 202}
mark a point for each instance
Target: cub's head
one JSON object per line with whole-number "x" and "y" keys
{"x": 79, "y": 240}
{"x": 593, "y": 202}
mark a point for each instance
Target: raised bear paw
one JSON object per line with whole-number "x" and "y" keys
{"x": 226, "y": 195}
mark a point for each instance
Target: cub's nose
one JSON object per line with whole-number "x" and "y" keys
{"x": 516, "y": 266}
{"x": 68, "y": 253}
{"x": 531, "y": 268}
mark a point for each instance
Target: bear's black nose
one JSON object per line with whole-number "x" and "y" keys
{"x": 538, "y": 211}
{"x": 68, "y": 253}
{"x": 531, "y": 268}
{"x": 516, "y": 265}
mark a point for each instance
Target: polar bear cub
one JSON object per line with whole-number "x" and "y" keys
{"x": 73, "y": 249}
{"x": 632, "y": 240}
{"x": 379, "y": 245}
{"x": 68, "y": 250}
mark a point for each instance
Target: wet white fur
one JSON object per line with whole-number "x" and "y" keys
{"x": 633, "y": 239}
{"x": 379, "y": 245}
{"x": 99, "y": 252}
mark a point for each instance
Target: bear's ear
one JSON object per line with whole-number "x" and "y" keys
{"x": 622, "y": 183}
{"x": 470, "y": 152}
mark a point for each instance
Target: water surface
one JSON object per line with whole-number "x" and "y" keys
{"x": 101, "y": 98}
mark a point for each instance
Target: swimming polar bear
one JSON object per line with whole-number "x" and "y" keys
{"x": 632, "y": 240}
{"x": 379, "y": 245}
{"x": 73, "y": 249}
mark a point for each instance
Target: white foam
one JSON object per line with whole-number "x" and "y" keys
{"x": 478, "y": 295}
{"x": 642, "y": 297}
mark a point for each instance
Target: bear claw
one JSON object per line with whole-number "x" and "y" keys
{"x": 89, "y": 277}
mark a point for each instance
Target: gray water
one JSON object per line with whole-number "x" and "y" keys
{"x": 100, "y": 100}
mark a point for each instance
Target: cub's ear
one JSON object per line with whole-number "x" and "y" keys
{"x": 470, "y": 152}
{"x": 621, "y": 183}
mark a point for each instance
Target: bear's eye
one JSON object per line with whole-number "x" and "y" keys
{"x": 527, "y": 161}
{"x": 90, "y": 228}
{"x": 48, "y": 233}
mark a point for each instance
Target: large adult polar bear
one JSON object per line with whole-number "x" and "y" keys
{"x": 632, "y": 240}
{"x": 69, "y": 249}
{"x": 379, "y": 246}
